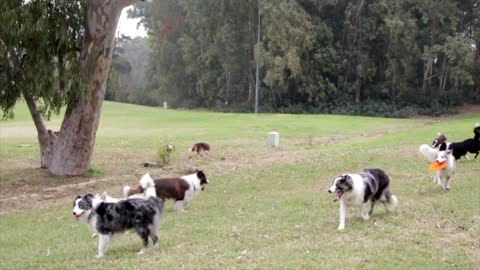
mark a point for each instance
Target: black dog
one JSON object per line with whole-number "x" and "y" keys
{"x": 460, "y": 149}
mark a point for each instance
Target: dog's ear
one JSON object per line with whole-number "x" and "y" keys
{"x": 348, "y": 179}
{"x": 78, "y": 197}
{"x": 203, "y": 178}
{"x": 88, "y": 197}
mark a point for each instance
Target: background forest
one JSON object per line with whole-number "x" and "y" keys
{"x": 388, "y": 57}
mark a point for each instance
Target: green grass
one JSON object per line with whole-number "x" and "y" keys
{"x": 265, "y": 208}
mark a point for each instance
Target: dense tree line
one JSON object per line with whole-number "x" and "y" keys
{"x": 390, "y": 57}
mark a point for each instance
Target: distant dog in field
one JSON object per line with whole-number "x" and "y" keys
{"x": 180, "y": 189}
{"x": 356, "y": 189}
{"x": 201, "y": 148}
{"x": 106, "y": 219}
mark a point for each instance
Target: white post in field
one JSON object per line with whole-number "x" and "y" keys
{"x": 273, "y": 139}
{"x": 165, "y": 105}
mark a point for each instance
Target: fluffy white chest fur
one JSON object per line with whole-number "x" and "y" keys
{"x": 355, "y": 197}
{"x": 194, "y": 188}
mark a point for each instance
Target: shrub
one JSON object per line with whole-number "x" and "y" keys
{"x": 165, "y": 153}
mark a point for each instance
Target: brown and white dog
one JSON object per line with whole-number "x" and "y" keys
{"x": 180, "y": 189}
{"x": 201, "y": 148}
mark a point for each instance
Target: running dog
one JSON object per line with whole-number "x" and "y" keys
{"x": 356, "y": 189}
{"x": 201, "y": 148}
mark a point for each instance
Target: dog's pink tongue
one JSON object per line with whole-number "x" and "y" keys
{"x": 339, "y": 194}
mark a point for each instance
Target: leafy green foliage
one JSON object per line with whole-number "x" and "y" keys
{"x": 315, "y": 54}
{"x": 40, "y": 42}
{"x": 165, "y": 153}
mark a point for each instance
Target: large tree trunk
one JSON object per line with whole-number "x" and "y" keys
{"x": 70, "y": 150}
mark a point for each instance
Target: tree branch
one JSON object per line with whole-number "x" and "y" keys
{"x": 36, "y": 115}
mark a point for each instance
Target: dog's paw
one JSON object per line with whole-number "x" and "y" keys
{"x": 141, "y": 251}
{"x": 340, "y": 228}
{"x": 365, "y": 217}
{"x": 155, "y": 246}
{"x": 99, "y": 256}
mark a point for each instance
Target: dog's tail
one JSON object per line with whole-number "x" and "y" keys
{"x": 146, "y": 181}
{"x": 391, "y": 201}
{"x": 148, "y": 186}
{"x": 428, "y": 152}
{"x": 126, "y": 190}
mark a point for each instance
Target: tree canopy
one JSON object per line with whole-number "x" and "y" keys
{"x": 387, "y": 57}
{"x": 39, "y": 47}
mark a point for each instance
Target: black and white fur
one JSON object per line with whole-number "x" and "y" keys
{"x": 148, "y": 187}
{"x": 357, "y": 189}
{"x": 460, "y": 149}
{"x": 107, "y": 218}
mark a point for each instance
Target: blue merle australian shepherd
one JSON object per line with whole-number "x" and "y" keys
{"x": 356, "y": 189}
{"x": 106, "y": 219}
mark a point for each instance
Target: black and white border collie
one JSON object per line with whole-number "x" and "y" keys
{"x": 181, "y": 189}
{"x": 108, "y": 218}
{"x": 356, "y": 189}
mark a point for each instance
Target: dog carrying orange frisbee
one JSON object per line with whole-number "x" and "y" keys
{"x": 435, "y": 165}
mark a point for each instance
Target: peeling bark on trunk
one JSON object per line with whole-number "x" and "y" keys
{"x": 71, "y": 149}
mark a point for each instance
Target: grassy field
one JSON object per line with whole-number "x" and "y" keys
{"x": 265, "y": 208}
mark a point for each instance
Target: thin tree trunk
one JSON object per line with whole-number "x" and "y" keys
{"x": 428, "y": 69}
{"x": 357, "y": 91}
{"x": 443, "y": 76}
{"x": 73, "y": 147}
{"x": 46, "y": 138}
{"x": 251, "y": 86}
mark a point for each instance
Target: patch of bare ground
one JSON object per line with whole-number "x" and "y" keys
{"x": 36, "y": 188}
{"x": 28, "y": 185}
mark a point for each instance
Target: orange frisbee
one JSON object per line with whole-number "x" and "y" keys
{"x": 435, "y": 166}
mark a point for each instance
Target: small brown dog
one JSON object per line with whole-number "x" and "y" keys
{"x": 201, "y": 148}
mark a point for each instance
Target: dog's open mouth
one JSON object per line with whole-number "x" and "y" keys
{"x": 77, "y": 217}
{"x": 339, "y": 194}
